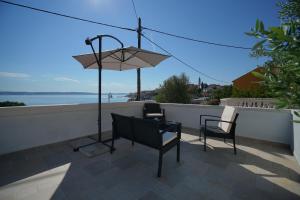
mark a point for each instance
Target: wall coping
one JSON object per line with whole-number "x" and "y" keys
{"x": 47, "y": 109}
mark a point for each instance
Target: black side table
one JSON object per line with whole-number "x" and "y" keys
{"x": 171, "y": 126}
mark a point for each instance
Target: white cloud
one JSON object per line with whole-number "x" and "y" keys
{"x": 66, "y": 79}
{"x": 14, "y": 75}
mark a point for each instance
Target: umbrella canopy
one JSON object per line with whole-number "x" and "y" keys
{"x": 122, "y": 59}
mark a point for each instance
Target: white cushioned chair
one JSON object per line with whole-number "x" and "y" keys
{"x": 225, "y": 128}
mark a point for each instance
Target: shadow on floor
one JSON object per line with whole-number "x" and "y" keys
{"x": 56, "y": 172}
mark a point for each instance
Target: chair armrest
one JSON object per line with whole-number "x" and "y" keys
{"x": 163, "y": 131}
{"x": 179, "y": 131}
{"x": 144, "y": 112}
{"x": 216, "y": 120}
{"x": 164, "y": 114}
{"x": 208, "y": 116}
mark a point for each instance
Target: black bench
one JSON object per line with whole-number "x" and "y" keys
{"x": 146, "y": 132}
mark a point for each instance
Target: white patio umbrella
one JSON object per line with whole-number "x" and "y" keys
{"x": 119, "y": 60}
{"x": 122, "y": 59}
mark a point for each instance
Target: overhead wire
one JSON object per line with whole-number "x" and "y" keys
{"x": 131, "y": 29}
{"x": 125, "y": 28}
{"x": 196, "y": 40}
{"x": 134, "y": 8}
{"x": 66, "y": 16}
{"x": 181, "y": 61}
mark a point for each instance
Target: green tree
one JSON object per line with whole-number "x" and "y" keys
{"x": 174, "y": 90}
{"x": 282, "y": 45}
{"x": 194, "y": 91}
{"x": 219, "y": 93}
{"x": 224, "y": 92}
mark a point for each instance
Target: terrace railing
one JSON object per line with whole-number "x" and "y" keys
{"x": 249, "y": 102}
{"x": 31, "y": 126}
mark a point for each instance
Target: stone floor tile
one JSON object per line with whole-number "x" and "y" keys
{"x": 260, "y": 170}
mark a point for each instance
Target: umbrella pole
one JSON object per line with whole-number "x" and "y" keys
{"x": 99, "y": 91}
{"x": 99, "y": 62}
{"x": 139, "y": 31}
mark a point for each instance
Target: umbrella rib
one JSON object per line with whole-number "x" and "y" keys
{"x": 134, "y": 54}
{"x": 123, "y": 64}
{"x": 115, "y": 57}
{"x": 113, "y": 53}
{"x": 149, "y": 52}
{"x": 103, "y": 58}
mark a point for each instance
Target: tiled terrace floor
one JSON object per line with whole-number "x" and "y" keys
{"x": 259, "y": 171}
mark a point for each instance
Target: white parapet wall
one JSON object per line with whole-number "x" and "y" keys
{"x": 296, "y": 135}
{"x": 31, "y": 126}
{"x": 263, "y": 124}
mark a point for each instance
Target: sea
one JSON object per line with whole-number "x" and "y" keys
{"x": 54, "y": 99}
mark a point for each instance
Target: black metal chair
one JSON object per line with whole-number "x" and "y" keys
{"x": 225, "y": 128}
{"x": 153, "y": 111}
{"x": 146, "y": 132}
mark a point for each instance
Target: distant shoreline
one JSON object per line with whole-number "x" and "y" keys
{"x": 52, "y": 93}
{"x": 53, "y": 98}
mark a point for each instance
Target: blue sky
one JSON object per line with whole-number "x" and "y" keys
{"x": 36, "y": 49}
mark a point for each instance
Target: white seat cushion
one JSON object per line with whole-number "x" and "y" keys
{"x": 154, "y": 115}
{"x": 227, "y": 115}
{"x": 168, "y": 137}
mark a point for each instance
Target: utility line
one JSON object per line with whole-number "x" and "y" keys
{"x": 66, "y": 16}
{"x": 123, "y": 28}
{"x": 130, "y": 29}
{"x": 134, "y": 8}
{"x": 196, "y": 40}
{"x": 181, "y": 61}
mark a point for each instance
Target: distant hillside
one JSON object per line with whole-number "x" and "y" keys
{"x": 145, "y": 95}
{"x": 11, "y": 103}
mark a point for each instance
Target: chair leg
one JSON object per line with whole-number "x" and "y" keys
{"x": 204, "y": 142}
{"x": 112, "y": 145}
{"x": 159, "y": 164}
{"x": 200, "y": 134}
{"x": 234, "y": 146}
{"x": 178, "y": 151}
